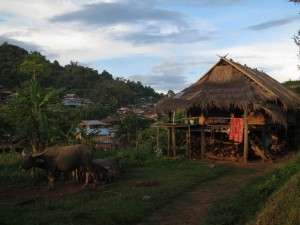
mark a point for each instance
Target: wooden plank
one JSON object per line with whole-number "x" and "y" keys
{"x": 259, "y": 152}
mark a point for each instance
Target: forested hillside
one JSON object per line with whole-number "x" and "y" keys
{"x": 293, "y": 85}
{"x": 102, "y": 88}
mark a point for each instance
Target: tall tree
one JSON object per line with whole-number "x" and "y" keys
{"x": 32, "y": 110}
{"x": 297, "y": 41}
{"x": 10, "y": 58}
{"x": 297, "y": 37}
{"x": 35, "y": 114}
{"x": 34, "y": 64}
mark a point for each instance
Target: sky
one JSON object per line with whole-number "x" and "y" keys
{"x": 165, "y": 44}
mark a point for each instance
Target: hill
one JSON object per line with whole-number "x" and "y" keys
{"x": 102, "y": 88}
{"x": 293, "y": 85}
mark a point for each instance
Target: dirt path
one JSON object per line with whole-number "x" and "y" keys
{"x": 191, "y": 208}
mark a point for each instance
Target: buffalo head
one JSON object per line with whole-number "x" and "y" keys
{"x": 30, "y": 161}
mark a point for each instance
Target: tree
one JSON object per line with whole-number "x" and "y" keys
{"x": 11, "y": 57}
{"x": 34, "y": 64}
{"x": 170, "y": 93}
{"x": 297, "y": 37}
{"x": 35, "y": 114}
{"x": 297, "y": 41}
{"x": 132, "y": 125}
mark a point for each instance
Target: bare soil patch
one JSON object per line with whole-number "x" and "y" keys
{"x": 30, "y": 193}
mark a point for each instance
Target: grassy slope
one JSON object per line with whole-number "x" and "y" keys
{"x": 283, "y": 206}
{"x": 245, "y": 205}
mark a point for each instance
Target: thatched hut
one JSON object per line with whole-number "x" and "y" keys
{"x": 230, "y": 91}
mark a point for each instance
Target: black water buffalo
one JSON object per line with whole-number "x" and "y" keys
{"x": 113, "y": 164}
{"x": 101, "y": 173}
{"x": 60, "y": 158}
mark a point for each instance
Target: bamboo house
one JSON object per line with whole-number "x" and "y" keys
{"x": 231, "y": 112}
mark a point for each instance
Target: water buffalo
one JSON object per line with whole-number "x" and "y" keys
{"x": 112, "y": 163}
{"x": 101, "y": 173}
{"x": 61, "y": 158}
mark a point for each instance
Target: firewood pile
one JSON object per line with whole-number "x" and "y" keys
{"x": 223, "y": 150}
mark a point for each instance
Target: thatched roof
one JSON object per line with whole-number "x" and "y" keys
{"x": 229, "y": 84}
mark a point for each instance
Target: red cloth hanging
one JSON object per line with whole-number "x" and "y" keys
{"x": 236, "y": 129}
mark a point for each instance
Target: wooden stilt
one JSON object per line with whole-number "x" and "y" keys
{"x": 189, "y": 143}
{"x": 202, "y": 143}
{"x": 168, "y": 149}
{"x": 246, "y": 139}
{"x": 173, "y": 141}
{"x": 186, "y": 143}
{"x": 157, "y": 141}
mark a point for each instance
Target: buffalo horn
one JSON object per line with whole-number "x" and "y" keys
{"x": 39, "y": 154}
{"x": 25, "y": 153}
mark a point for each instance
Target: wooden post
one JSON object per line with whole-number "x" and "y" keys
{"x": 202, "y": 143}
{"x": 157, "y": 141}
{"x": 189, "y": 143}
{"x": 173, "y": 141}
{"x": 246, "y": 140}
{"x": 168, "y": 149}
{"x": 186, "y": 143}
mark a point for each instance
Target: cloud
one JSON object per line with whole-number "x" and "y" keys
{"x": 137, "y": 22}
{"x": 272, "y": 23}
{"x": 208, "y": 3}
{"x": 106, "y": 14}
{"x": 26, "y": 45}
{"x": 182, "y": 36}
{"x": 161, "y": 83}
{"x": 168, "y": 75}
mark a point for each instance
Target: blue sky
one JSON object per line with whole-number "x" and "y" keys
{"x": 165, "y": 44}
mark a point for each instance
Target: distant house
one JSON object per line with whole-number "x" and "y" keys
{"x": 151, "y": 114}
{"x": 137, "y": 111}
{"x": 72, "y": 101}
{"x": 112, "y": 121}
{"x": 4, "y": 93}
{"x": 93, "y": 131}
{"x": 90, "y": 124}
{"x": 123, "y": 110}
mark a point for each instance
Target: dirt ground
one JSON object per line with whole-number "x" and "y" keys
{"x": 189, "y": 208}
{"x": 29, "y": 193}
{"x": 192, "y": 207}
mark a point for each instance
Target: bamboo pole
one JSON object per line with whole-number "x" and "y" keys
{"x": 246, "y": 139}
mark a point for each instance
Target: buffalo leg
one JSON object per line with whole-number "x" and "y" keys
{"x": 50, "y": 181}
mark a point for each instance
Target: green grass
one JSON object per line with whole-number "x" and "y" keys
{"x": 283, "y": 206}
{"x": 245, "y": 205}
{"x": 118, "y": 203}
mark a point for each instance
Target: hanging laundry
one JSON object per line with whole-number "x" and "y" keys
{"x": 236, "y": 129}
